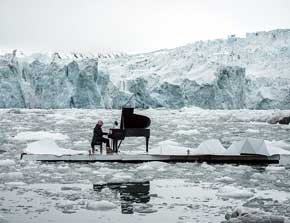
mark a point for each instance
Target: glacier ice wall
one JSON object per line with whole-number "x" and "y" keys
{"x": 234, "y": 73}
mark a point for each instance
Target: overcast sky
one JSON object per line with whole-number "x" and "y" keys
{"x": 131, "y": 26}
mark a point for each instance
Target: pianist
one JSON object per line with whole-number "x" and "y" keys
{"x": 98, "y": 137}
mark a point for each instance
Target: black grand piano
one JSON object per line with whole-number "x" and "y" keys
{"x": 132, "y": 125}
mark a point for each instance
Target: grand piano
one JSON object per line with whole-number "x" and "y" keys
{"x": 132, "y": 125}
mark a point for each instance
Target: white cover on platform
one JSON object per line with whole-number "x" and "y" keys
{"x": 210, "y": 146}
{"x": 248, "y": 146}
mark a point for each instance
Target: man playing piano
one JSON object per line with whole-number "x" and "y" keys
{"x": 98, "y": 137}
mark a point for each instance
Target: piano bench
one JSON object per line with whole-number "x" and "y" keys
{"x": 100, "y": 144}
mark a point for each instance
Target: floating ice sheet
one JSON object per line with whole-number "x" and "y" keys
{"x": 38, "y": 135}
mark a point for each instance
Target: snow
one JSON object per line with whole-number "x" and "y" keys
{"x": 48, "y": 146}
{"x": 11, "y": 176}
{"x": 7, "y": 162}
{"x": 38, "y": 135}
{"x": 187, "y": 132}
{"x": 100, "y": 205}
{"x": 250, "y": 72}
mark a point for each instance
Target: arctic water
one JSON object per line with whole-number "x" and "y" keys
{"x": 147, "y": 192}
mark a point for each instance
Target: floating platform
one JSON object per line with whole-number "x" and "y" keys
{"x": 139, "y": 158}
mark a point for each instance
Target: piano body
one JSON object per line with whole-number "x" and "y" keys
{"x": 132, "y": 125}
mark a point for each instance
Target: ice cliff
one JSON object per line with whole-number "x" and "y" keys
{"x": 233, "y": 73}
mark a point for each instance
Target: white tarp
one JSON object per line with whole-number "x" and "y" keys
{"x": 49, "y": 146}
{"x": 248, "y": 146}
{"x": 210, "y": 146}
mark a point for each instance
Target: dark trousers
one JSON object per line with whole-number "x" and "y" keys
{"x": 104, "y": 140}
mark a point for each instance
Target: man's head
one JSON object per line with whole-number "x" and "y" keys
{"x": 100, "y": 123}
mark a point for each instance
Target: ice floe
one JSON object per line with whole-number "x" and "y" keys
{"x": 275, "y": 168}
{"x": 246, "y": 215}
{"x": 252, "y": 131}
{"x": 234, "y": 192}
{"x": 38, "y": 135}
{"x": 71, "y": 188}
{"x": 156, "y": 166}
{"x": 7, "y": 162}
{"x": 121, "y": 177}
{"x": 3, "y": 220}
{"x": 187, "y": 132}
{"x": 15, "y": 183}
{"x": 226, "y": 179}
{"x": 100, "y": 205}
{"x": 278, "y": 147}
{"x": 11, "y": 176}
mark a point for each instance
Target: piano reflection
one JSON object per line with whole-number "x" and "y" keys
{"x": 130, "y": 193}
{"x": 132, "y": 125}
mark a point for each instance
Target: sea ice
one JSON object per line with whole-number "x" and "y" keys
{"x": 24, "y": 136}
{"x": 84, "y": 170}
{"x": 7, "y": 162}
{"x": 15, "y": 183}
{"x": 152, "y": 166}
{"x": 187, "y": 132}
{"x": 100, "y": 205}
{"x": 11, "y": 176}
{"x": 275, "y": 168}
{"x": 278, "y": 147}
{"x": 72, "y": 188}
{"x": 121, "y": 177}
{"x": 252, "y": 131}
{"x": 3, "y": 220}
{"x": 246, "y": 215}
{"x": 233, "y": 192}
{"x": 226, "y": 179}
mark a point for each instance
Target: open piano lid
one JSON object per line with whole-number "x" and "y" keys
{"x": 131, "y": 120}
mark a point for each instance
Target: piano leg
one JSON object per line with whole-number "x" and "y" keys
{"x": 147, "y": 142}
{"x": 115, "y": 145}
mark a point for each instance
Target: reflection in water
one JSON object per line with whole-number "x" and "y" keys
{"x": 130, "y": 192}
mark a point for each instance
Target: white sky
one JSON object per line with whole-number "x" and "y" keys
{"x": 131, "y": 26}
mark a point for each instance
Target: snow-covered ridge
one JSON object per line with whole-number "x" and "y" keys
{"x": 232, "y": 73}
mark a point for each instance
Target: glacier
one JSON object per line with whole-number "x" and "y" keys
{"x": 234, "y": 73}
